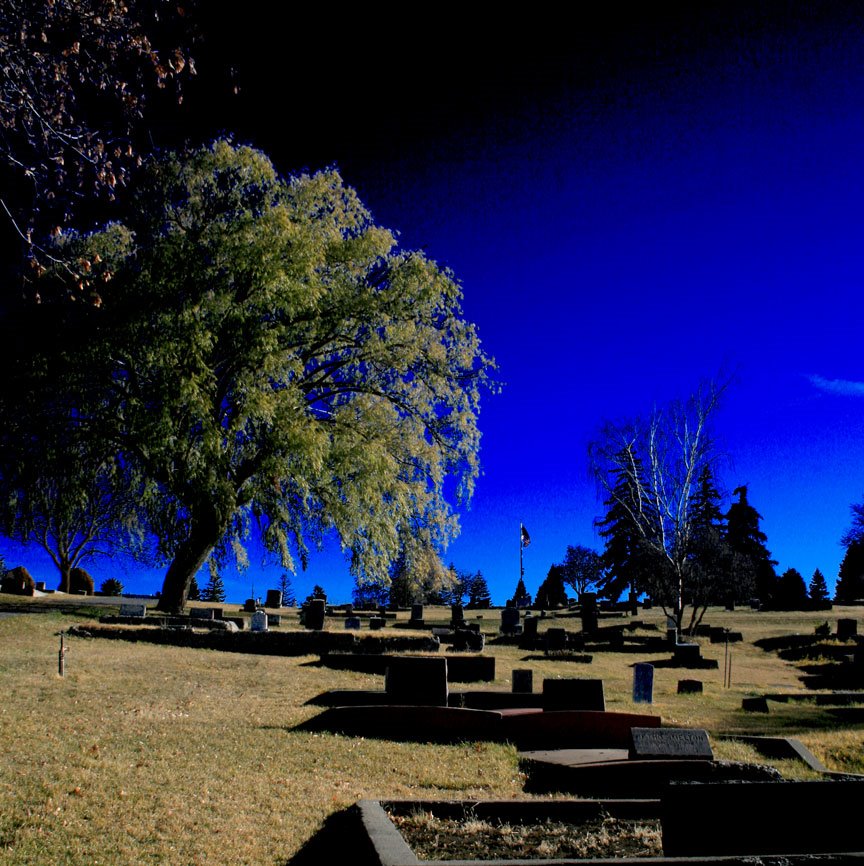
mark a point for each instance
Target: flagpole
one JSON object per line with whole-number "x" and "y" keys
{"x": 521, "y": 567}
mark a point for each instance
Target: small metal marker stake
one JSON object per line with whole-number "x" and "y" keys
{"x": 727, "y": 666}
{"x": 61, "y": 657}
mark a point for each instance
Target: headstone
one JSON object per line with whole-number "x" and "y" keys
{"x": 217, "y": 612}
{"x": 730, "y": 605}
{"x": 633, "y": 603}
{"x": 417, "y": 681}
{"x": 349, "y": 610}
{"x": 201, "y": 613}
{"x": 672, "y": 636}
{"x": 573, "y": 694}
{"x": 643, "y": 683}
{"x": 274, "y": 620}
{"x": 847, "y": 629}
{"x": 588, "y": 611}
{"x": 688, "y": 653}
{"x": 556, "y": 639}
{"x": 648, "y": 604}
{"x": 40, "y": 585}
{"x": 529, "y": 626}
{"x": 755, "y": 603}
{"x": 376, "y": 623}
{"x": 274, "y": 598}
{"x": 689, "y": 687}
{"x": 509, "y": 619}
{"x": 471, "y": 641}
{"x": 457, "y": 614}
{"x": 669, "y": 744}
{"x": 671, "y": 622}
{"x": 133, "y": 610}
{"x": 352, "y": 622}
{"x": 523, "y": 681}
{"x": 250, "y": 605}
{"x": 258, "y": 621}
{"x": 417, "y": 613}
{"x": 757, "y": 704}
{"x": 315, "y": 611}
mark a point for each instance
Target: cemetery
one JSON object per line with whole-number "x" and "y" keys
{"x": 564, "y": 761}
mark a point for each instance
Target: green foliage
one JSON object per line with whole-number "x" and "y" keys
{"x": 370, "y": 595}
{"x": 850, "y": 578}
{"x": 214, "y": 591}
{"x": 521, "y": 596}
{"x": 551, "y": 594}
{"x": 419, "y": 576}
{"x": 583, "y": 568}
{"x": 269, "y": 355}
{"x": 791, "y": 591}
{"x": 111, "y": 586}
{"x": 289, "y": 599}
{"x": 818, "y": 590}
{"x": 477, "y": 589}
{"x": 747, "y": 539}
{"x": 194, "y": 589}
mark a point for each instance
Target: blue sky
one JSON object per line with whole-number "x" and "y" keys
{"x": 628, "y": 219}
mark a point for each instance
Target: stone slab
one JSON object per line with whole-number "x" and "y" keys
{"x": 416, "y": 680}
{"x": 573, "y": 693}
{"x": 669, "y": 744}
{"x": 133, "y": 610}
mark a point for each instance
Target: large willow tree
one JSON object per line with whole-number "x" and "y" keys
{"x": 269, "y": 355}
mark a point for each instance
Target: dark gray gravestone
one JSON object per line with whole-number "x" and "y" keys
{"x": 847, "y": 629}
{"x": 643, "y": 683}
{"x": 40, "y": 585}
{"x": 755, "y": 603}
{"x": 417, "y": 681}
{"x": 648, "y": 604}
{"x": 757, "y": 704}
{"x": 417, "y": 613}
{"x": 588, "y": 611}
{"x": 201, "y": 613}
{"x": 687, "y": 653}
{"x": 523, "y": 681}
{"x": 352, "y": 622}
{"x": 689, "y": 687}
{"x": 274, "y": 598}
{"x": 470, "y": 641}
{"x": 509, "y": 620}
{"x": 217, "y": 612}
{"x": 133, "y": 610}
{"x": 669, "y": 743}
{"x": 457, "y": 614}
{"x": 730, "y": 605}
{"x": 376, "y": 623}
{"x": 529, "y": 626}
{"x": 250, "y": 606}
{"x": 573, "y": 694}
{"x": 672, "y": 636}
{"x": 315, "y": 611}
{"x": 273, "y": 620}
{"x": 556, "y": 639}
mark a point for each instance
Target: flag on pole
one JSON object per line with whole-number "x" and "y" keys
{"x": 526, "y": 538}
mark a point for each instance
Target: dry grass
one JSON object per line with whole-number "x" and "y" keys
{"x": 149, "y": 754}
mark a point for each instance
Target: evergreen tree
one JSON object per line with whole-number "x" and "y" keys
{"x": 112, "y": 586}
{"x": 710, "y": 577}
{"x": 850, "y": 578}
{"x": 317, "y": 592}
{"x": 215, "y": 589}
{"x": 623, "y": 557}
{"x": 521, "y": 597}
{"x": 746, "y": 538}
{"x": 370, "y": 595}
{"x": 477, "y": 591}
{"x": 551, "y": 593}
{"x": 289, "y": 599}
{"x": 818, "y": 587}
{"x": 791, "y": 591}
{"x": 194, "y": 590}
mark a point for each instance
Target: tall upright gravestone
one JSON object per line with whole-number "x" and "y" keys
{"x": 643, "y": 683}
{"x": 314, "y": 618}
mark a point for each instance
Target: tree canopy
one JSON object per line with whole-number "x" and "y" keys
{"x": 267, "y": 354}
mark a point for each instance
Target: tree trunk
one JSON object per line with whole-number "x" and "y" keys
{"x": 65, "y": 567}
{"x": 207, "y": 531}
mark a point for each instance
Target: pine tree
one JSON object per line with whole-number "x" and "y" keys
{"x": 194, "y": 590}
{"x": 521, "y": 597}
{"x": 288, "y": 597}
{"x": 850, "y": 578}
{"x": 623, "y": 557}
{"x": 818, "y": 588}
{"x": 747, "y": 539}
{"x": 215, "y": 589}
{"x": 791, "y": 591}
{"x": 478, "y": 591}
{"x": 551, "y": 593}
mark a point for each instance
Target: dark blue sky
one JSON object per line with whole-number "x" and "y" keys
{"x": 633, "y": 205}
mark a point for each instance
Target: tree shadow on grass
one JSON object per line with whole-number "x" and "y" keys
{"x": 340, "y": 839}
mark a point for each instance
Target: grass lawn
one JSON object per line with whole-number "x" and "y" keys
{"x": 148, "y": 754}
